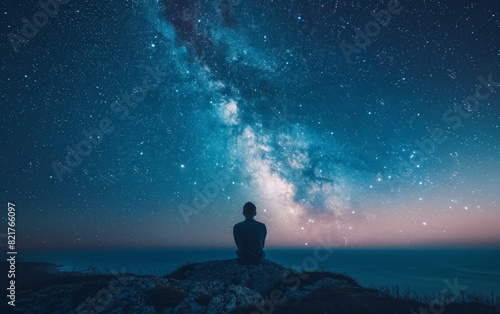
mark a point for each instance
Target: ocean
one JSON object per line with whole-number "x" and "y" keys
{"x": 422, "y": 271}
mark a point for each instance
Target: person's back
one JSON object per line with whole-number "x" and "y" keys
{"x": 249, "y": 236}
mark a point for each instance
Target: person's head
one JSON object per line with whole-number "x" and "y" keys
{"x": 249, "y": 210}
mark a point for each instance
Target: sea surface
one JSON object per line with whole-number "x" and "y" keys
{"x": 422, "y": 271}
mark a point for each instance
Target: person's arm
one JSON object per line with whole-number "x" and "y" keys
{"x": 265, "y": 234}
{"x": 234, "y": 236}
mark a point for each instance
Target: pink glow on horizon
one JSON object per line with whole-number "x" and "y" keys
{"x": 421, "y": 229}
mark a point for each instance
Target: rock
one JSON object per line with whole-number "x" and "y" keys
{"x": 211, "y": 287}
{"x": 259, "y": 278}
{"x": 304, "y": 290}
{"x": 214, "y": 297}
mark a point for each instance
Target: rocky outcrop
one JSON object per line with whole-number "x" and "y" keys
{"x": 258, "y": 278}
{"x": 211, "y": 287}
{"x": 215, "y": 287}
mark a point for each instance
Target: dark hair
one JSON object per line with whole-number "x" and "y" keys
{"x": 249, "y": 210}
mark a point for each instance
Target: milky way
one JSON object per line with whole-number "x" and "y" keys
{"x": 152, "y": 123}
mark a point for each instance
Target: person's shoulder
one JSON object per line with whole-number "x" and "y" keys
{"x": 261, "y": 223}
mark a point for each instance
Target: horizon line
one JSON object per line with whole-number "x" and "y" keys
{"x": 272, "y": 247}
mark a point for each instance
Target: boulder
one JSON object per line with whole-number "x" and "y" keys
{"x": 259, "y": 278}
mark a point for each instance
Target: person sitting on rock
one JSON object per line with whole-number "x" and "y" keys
{"x": 249, "y": 236}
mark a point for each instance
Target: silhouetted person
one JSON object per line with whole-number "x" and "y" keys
{"x": 250, "y": 236}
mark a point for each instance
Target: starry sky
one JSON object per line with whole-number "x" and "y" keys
{"x": 150, "y": 123}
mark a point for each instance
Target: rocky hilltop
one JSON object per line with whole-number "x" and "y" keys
{"x": 218, "y": 287}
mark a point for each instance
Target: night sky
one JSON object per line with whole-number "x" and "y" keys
{"x": 151, "y": 123}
